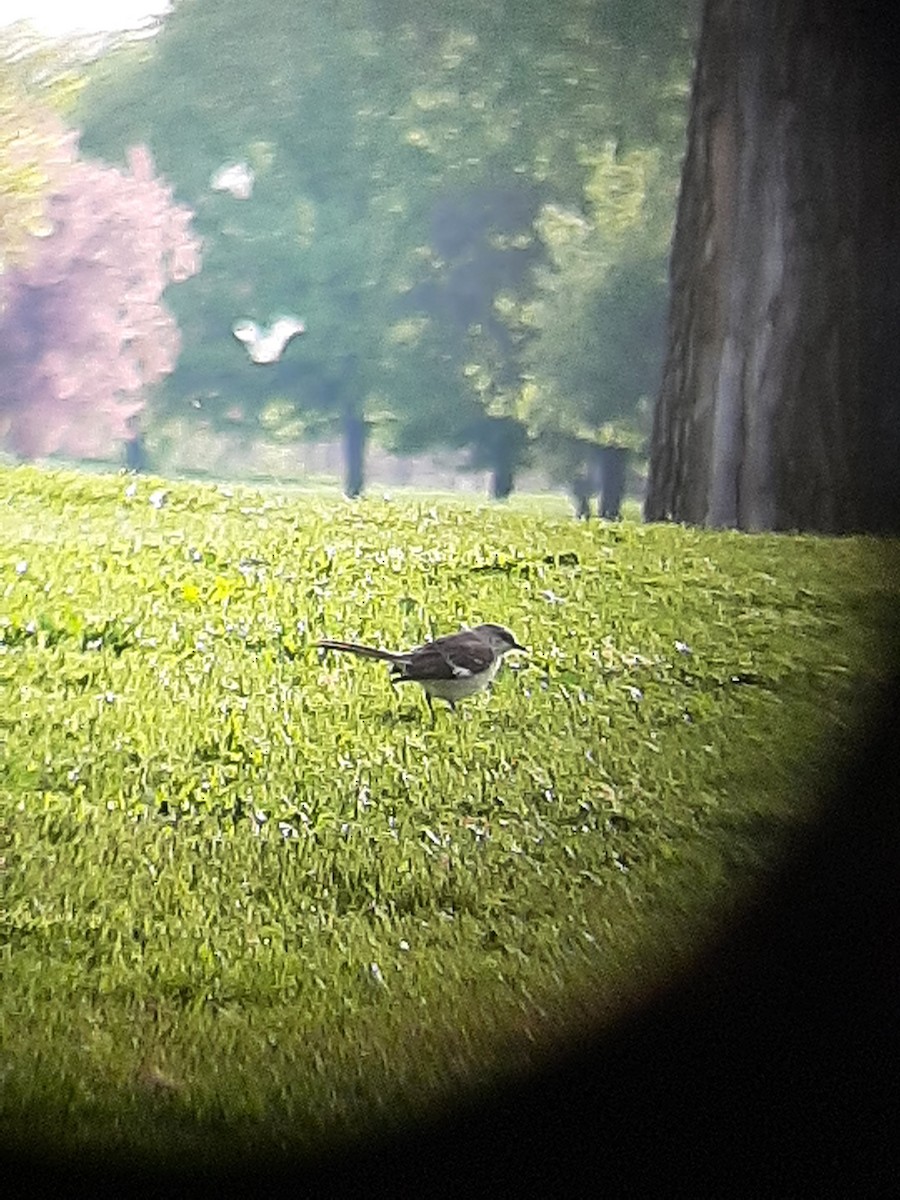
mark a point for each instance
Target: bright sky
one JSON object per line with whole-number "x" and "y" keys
{"x": 56, "y": 17}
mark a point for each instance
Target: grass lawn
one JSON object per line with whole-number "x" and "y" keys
{"x": 250, "y": 896}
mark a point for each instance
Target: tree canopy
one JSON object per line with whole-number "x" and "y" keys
{"x": 86, "y": 251}
{"x": 401, "y": 162}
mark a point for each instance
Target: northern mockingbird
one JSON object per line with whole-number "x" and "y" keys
{"x": 451, "y": 667}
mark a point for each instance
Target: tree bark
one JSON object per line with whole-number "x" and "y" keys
{"x": 779, "y": 401}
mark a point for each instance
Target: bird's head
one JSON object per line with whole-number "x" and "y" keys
{"x": 246, "y": 331}
{"x": 499, "y": 638}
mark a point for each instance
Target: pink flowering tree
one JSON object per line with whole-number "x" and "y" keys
{"x": 84, "y": 332}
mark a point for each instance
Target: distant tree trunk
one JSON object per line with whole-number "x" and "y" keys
{"x": 614, "y": 460}
{"x": 580, "y": 487}
{"x": 500, "y": 445}
{"x": 503, "y": 476}
{"x": 136, "y": 458}
{"x": 355, "y": 435}
{"x": 779, "y": 402}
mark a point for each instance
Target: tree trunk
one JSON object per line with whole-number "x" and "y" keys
{"x": 355, "y": 434}
{"x": 500, "y": 448}
{"x": 136, "y": 457}
{"x": 503, "y": 476}
{"x": 779, "y": 402}
{"x": 580, "y": 489}
{"x": 614, "y": 462}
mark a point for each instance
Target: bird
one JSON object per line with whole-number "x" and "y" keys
{"x": 236, "y": 178}
{"x": 267, "y": 345}
{"x": 450, "y": 667}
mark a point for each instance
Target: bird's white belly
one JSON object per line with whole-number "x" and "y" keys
{"x": 461, "y": 686}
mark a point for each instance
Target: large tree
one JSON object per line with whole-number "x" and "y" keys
{"x": 543, "y": 304}
{"x": 779, "y": 402}
{"x": 401, "y": 156}
{"x": 82, "y": 323}
{"x": 86, "y": 252}
{"x": 297, "y": 95}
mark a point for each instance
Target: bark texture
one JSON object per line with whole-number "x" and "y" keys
{"x": 779, "y": 401}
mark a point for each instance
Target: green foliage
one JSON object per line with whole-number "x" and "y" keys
{"x": 41, "y": 83}
{"x": 401, "y": 160}
{"x": 593, "y": 354}
{"x": 37, "y": 84}
{"x": 572, "y": 343}
{"x": 251, "y": 896}
{"x": 302, "y": 95}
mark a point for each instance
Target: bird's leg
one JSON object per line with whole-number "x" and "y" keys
{"x": 430, "y": 709}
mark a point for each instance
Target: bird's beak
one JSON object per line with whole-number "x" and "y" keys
{"x": 516, "y": 646}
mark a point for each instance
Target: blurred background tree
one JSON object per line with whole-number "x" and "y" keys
{"x": 38, "y": 86}
{"x": 87, "y": 252}
{"x": 542, "y": 289}
{"x": 83, "y": 326}
{"x": 469, "y": 207}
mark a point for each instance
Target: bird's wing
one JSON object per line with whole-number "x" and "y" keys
{"x": 426, "y": 662}
{"x": 236, "y": 178}
{"x": 284, "y": 331}
{"x": 450, "y": 658}
{"x": 288, "y": 326}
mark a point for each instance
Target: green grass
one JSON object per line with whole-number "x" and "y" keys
{"x": 210, "y": 833}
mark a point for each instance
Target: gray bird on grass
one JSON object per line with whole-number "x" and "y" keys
{"x": 451, "y": 667}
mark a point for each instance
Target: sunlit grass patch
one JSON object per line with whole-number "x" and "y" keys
{"x": 252, "y": 892}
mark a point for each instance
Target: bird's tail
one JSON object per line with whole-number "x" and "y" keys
{"x": 363, "y": 651}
